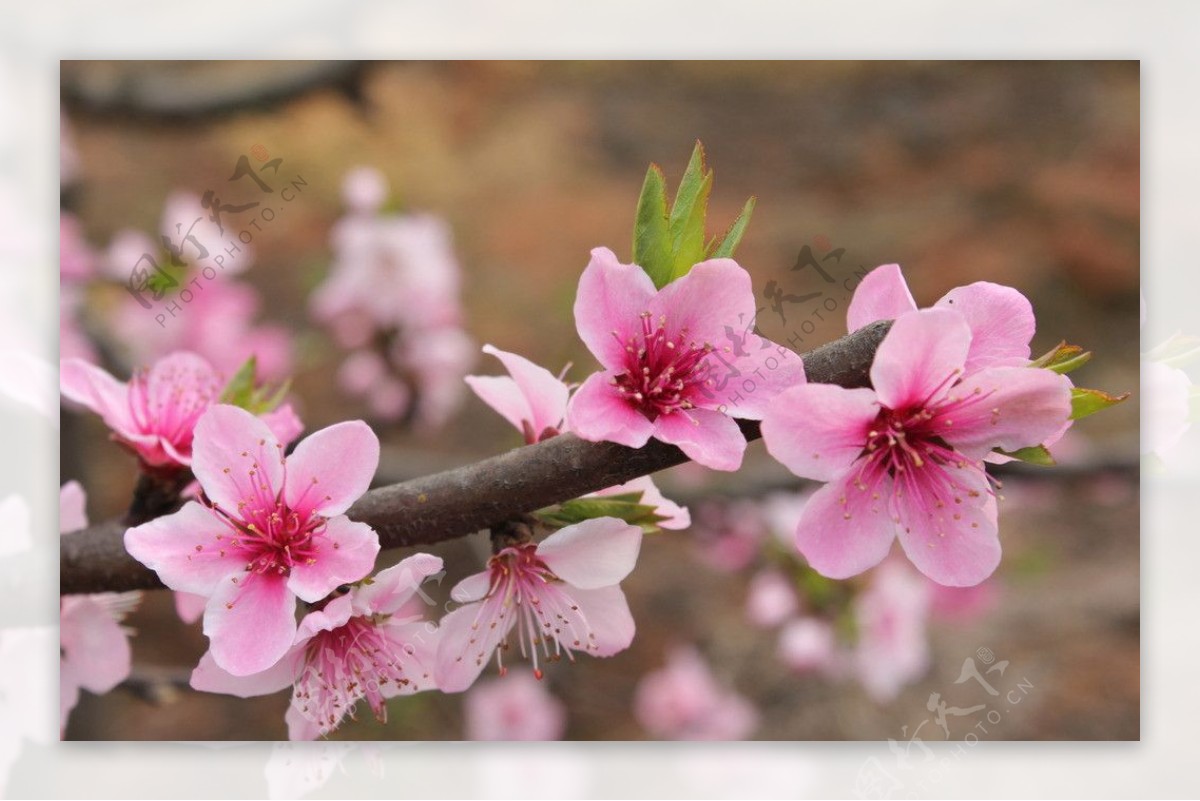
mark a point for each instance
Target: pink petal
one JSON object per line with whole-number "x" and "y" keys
{"x": 594, "y": 553}
{"x": 301, "y": 728}
{"x": 599, "y": 414}
{"x": 391, "y": 589}
{"x": 346, "y": 553}
{"x": 677, "y": 517}
{"x": 922, "y": 353}
{"x": 611, "y": 297}
{"x": 882, "y": 295}
{"x": 1001, "y": 321}
{"x": 504, "y": 396}
{"x": 184, "y": 550}
{"x": 749, "y": 383}
{"x": 957, "y": 544}
{"x": 210, "y": 677}
{"x": 545, "y": 395}
{"x": 468, "y": 640}
{"x": 236, "y": 458}
{"x": 90, "y": 386}
{"x": 332, "y": 468}
{"x": 473, "y": 588}
{"x": 417, "y": 643}
{"x": 1006, "y": 407}
{"x": 713, "y": 295}
{"x": 607, "y": 615}
{"x": 189, "y": 607}
{"x": 250, "y": 622}
{"x": 284, "y": 423}
{"x": 94, "y": 644}
{"x": 818, "y": 430}
{"x": 334, "y": 614}
{"x": 72, "y": 507}
{"x": 839, "y": 539}
{"x": 707, "y": 437}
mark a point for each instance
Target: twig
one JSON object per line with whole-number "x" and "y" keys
{"x": 467, "y": 499}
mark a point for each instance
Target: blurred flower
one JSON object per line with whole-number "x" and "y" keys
{"x": 516, "y": 707}
{"x": 771, "y": 598}
{"x": 891, "y": 617}
{"x": 904, "y": 459}
{"x": 683, "y": 701}
{"x": 366, "y": 644}
{"x": 808, "y": 644}
{"x": 659, "y": 378}
{"x": 273, "y": 529}
{"x": 728, "y": 535}
{"x": 562, "y": 592}
{"x": 1166, "y": 413}
{"x": 963, "y": 604}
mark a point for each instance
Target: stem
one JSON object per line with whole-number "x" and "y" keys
{"x": 467, "y": 499}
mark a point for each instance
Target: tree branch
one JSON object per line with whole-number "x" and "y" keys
{"x": 467, "y": 499}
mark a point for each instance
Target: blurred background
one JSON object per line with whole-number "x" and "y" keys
{"x": 507, "y": 174}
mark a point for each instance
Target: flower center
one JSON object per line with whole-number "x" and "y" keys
{"x": 172, "y": 406}
{"x": 662, "y": 374}
{"x": 276, "y": 539}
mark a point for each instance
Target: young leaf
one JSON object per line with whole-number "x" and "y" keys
{"x": 688, "y": 214}
{"x": 1036, "y": 454}
{"x": 1063, "y": 358}
{"x": 733, "y": 236}
{"x": 651, "y": 232}
{"x": 1085, "y": 402}
{"x": 240, "y": 388}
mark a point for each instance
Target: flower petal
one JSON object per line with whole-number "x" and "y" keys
{"x": 94, "y": 643}
{"x": 184, "y": 550}
{"x": 921, "y": 354}
{"x": 607, "y": 615}
{"x": 1001, "y": 321}
{"x": 210, "y": 677}
{"x": 599, "y": 414}
{"x": 594, "y": 553}
{"x": 882, "y": 295}
{"x": 346, "y": 553}
{"x": 677, "y": 517}
{"x": 284, "y": 423}
{"x": 301, "y": 727}
{"x": 189, "y": 606}
{"x": 755, "y": 372}
{"x": 472, "y": 588}
{"x": 236, "y": 458}
{"x": 707, "y": 437}
{"x": 713, "y": 302}
{"x": 611, "y": 297}
{"x": 956, "y": 544}
{"x": 504, "y": 396}
{"x": 842, "y": 539}
{"x": 391, "y": 589}
{"x": 250, "y": 622}
{"x": 72, "y": 507}
{"x": 331, "y": 468}
{"x": 416, "y": 645}
{"x": 1005, "y": 407}
{"x": 545, "y": 395}
{"x": 818, "y": 430}
{"x": 469, "y": 636}
{"x": 92, "y": 387}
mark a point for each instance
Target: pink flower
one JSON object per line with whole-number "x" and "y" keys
{"x": 155, "y": 414}
{"x": 272, "y": 529}
{"x": 683, "y": 701}
{"x": 562, "y": 594}
{"x": 667, "y": 372}
{"x": 76, "y": 260}
{"x": 891, "y": 615}
{"x": 516, "y": 707}
{"x": 904, "y": 459}
{"x": 808, "y": 644}
{"x": 771, "y": 598}
{"x": 535, "y": 402}
{"x": 94, "y": 647}
{"x": 370, "y": 643}
{"x": 1000, "y": 318}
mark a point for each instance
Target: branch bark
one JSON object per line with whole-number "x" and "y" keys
{"x": 459, "y": 502}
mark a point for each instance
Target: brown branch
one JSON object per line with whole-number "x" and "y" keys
{"x": 467, "y": 499}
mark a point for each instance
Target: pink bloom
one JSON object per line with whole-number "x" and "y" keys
{"x": 668, "y": 373}
{"x": 771, "y": 598}
{"x": 562, "y": 593}
{"x": 364, "y": 189}
{"x": 683, "y": 701}
{"x": 729, "y": 535}
{"x": 94, "y": 647}
{"x": 904, "y": 459}
{"x": 1000, "y": 318}
{"x": 76, "y": 261}
{"x": 893, "y": 646}
{"x": 183, "y": 214}
{"x": 962, "y": 604}
{"x": 516, "y": 707}
{"x": 368, "y": 644}
{"x": 808, "y": 644}
{"x": 155, "y": 414}
{"x": 272, "y": 529}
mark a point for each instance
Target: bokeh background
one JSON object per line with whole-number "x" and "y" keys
{"x": 1024, "y": 173}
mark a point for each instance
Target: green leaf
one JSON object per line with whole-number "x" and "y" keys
{"x": 1036, "y": 454}
{"x": 1086, "y": 402}
{"x": 266, "y": 399}
{"x": 733, "y": 236}
{"x": 651, "y": 231}
{"x": 688, "y": 214}
{"x": 1063, "y": 358}
{"x": 625, "y": 507}
{"x": 240, "y": 388}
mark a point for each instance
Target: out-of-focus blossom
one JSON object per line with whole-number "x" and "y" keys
{"x": 1166, "y": 413}
{"x": 516, "y": 707}
{"x": 684, "y": 701}
{"x": 366, "y": 644}
{"x": 893, "y": 645}
{"x": 963, "y": 604}
{"x": 771, "y": 598}
{"x": 660, "y": 377}
{"x": 727, "y": 536}
{"x": 273, "y": 530}
{"x": 76, "y": 260}
{"x": 808, "y": 644}
{"x": 562, "y": 595}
